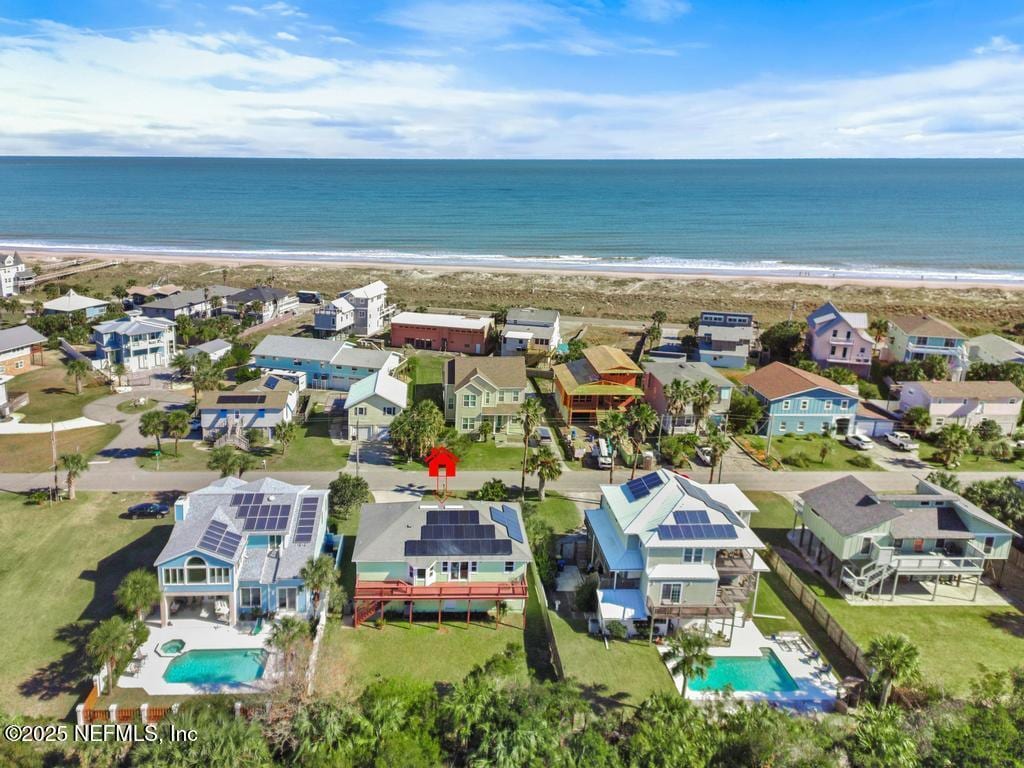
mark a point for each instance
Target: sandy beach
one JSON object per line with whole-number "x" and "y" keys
{"x": 631, "y": 294}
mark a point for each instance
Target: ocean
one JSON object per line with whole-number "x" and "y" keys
{"x": 938, "y": 219}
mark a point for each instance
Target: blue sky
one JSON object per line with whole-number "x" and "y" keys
{"x": 513, "y": 78}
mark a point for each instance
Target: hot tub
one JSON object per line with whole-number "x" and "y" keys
{"x": 171, "y": 648}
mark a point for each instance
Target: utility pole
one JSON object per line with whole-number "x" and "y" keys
{"x": 53, "y": 456}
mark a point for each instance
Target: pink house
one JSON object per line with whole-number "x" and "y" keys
{"x": 837, "y": 338}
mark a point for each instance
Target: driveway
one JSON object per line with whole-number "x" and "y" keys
{"x": 890, "y": 459}
{"x": 129, "y": 444}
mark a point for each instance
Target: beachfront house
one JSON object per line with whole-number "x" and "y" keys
{"x": 237, "y": 548}
{"x": 372, "y": 404}
{"x": 19, "y": 346}
{"x": 658, "y": 378}
{"x": 798, "y": 402}
{"x": 424, "y": 559}
{"x": 72, "y": 302}
{"x": 141, "y": 294}
{"x": 325, "y": 363}
{"x": 443, "y": 333}
{"x": 916, "y": 337}
{"x": 967, "y": 403}
{"x": 995, "y": 350}
{"x": 199, "y": 302}
{"x": 528, "y": 330}
{"x": 871, "y": 544}
{"x": 372, "y": 310}
{"x": 137, "y": 343}
{"x": 669, "y": 549}
{"x": 15, "y": 276}
{"x": 333, "y": 318}
{"x": 605, "y": 379}
{"x": 837, "y": 338}
{"x": 726, "y": 339}
{"x": 261, "y": 404}
{"x": 490, "y": 389}
{"x": 262, "y": 303}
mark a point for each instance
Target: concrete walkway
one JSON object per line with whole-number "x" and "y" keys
{"x": 17, "y": 427}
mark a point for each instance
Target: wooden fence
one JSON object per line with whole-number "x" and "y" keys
{"x": 542, "y": 599}
{"x": 839, "y": 636}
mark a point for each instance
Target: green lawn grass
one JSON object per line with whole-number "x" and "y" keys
{"x": 60, "y": 566}
{"x": 479, "y": 456}
{"x": 560, "y": 513}
{"x": 32, "y": 452}
{"x": 425, "y": 373}
{"x": 953, "y": 640}
{"x": 839, "y": 459}
{"x": 52, "y": 395}
{"x": 969, "y": 462}
{"x": 129, "y": 406}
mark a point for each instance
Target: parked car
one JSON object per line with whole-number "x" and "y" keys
{"x": 544, "y": 436}
{"x": 149, "y": 509}
{"x": 704, "y": 454}
{"x": 602, "y": 456}
{"x": 859, "y": 442}
{"x": 901, "y": 441}
{"x": 195, "y": 424}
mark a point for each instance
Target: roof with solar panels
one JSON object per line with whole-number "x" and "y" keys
{"x": 220, "y": 517}
{"x": 424, "y": 530}
{"x": 665, "y": 509}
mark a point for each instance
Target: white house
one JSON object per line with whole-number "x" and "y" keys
{"x": 994, "y": 349}
{"x": 967, "y": 403}
{"x": 372, "y": 310}
{"x": 15, "y": 276}
{"x": 528, "y": 330}
{"x": 334, "y": 317}
{"x": 137, "y": 343}
{"x": 261, "y": 404}
{"x": 216, "y": 349}
{"x": 373, "y": 403}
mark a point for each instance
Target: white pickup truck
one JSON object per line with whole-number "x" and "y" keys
{"x": 901, "y": 441}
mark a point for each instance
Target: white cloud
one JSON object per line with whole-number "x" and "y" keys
{"x": 245, "y": 10}
{"x": 288, "y": 36}
{"x": 659, "y": 11}
{"x": 72, "y": 91}
{"x": 284, "y": 9}
{"x": 997, "y": 44}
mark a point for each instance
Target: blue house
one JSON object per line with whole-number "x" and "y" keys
{"x": 801, "y": 403}
{"x": 326, "y": 363}
{"x": 726, "y": 339}
{"x": 237, "y": 549}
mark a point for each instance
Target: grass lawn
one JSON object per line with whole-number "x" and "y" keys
{"x": 426, "y": 376}
{"x": 989, "y": 634}
{"x": 32, "y": 452}
{"x": 84, "y": 549}
{"x": 839, "y": 459}
{"x": 129, "y": 406}
{"x": 350, "y": 659}
{"x": 560, "y": 513}
{"x": 52, "y": 395}
{"x": 480, "y": 456}
{"x": 969, "y": 462}
{"x": 313, "y": 448}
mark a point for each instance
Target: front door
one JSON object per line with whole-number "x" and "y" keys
{"x": 287, "y": 598}
{"x": 459, "y": 571}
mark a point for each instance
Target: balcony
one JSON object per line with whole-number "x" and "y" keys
{"x": 447, "y": 590}
{"x": 727, "y": 599}
{"x": 734, "y": 562}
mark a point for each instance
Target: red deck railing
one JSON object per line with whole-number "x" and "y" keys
{"x": 449, "y": 590}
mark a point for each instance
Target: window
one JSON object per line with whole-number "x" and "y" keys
{"x": 509, "y": 566}
{"x": 458, "y": 570}
{"x": 782, "y": 426}
{"x": 174, "y": 575}
{"x": 195, "y": 570}
{"x": 805, "y": 404}
{"x": 693, "y": 555}
{"x": 218, "y": 575}
{"x": 785, "y": 405}
{"x": 469, "y": 401}
{"x": 274, "y": 541}
{"x": 467, "y": 424}
{"x": 835, "y": 332}
{"x": 444, "y": 566}
{"x": 990, "y": 543}
{"x": 390, "y": 410}
{"x": 249, "y": 597}
{"x": 421, "y": 573}
{"x": 360, "y": 410}
{"x": 472, "y": 566}
{"x": 671, "y": 593}
{"x": 865, "y": 546}
{"x": 940, "y": 543}
{"x": 897, "y": 544}
{"x": 828, "y": 405}
{"x": 799, "y": 426}
{"x": 287, "y": 598}
{"x": 845, "y": 405}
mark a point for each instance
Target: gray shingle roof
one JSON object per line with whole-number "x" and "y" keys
{"x": 19, "y": 336}
{"x": 668, "y": 371}
{"x": 322, "y": 350}
{"x": 531, "y": 316}
{"x": 849, "y": 506}
{"x": 195, "y": 296}
{"x": 929, "y": 523}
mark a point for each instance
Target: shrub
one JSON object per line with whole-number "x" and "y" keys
{"x": 493, "y": 490}
{"x": 862, "y": 461}
{"x": 678, "y": 449}
{"x": 988, "y": 430}
{"x": 586, "y": 594}
{"x": 617, "y": 630}
{"x": 246, "y": 374}
{"x": 799, "y": 459}
{"x": 1002, "y": 451}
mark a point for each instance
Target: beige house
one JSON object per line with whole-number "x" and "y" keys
{"x": 373, "y": 403}
{"x": 485, "y": 389}
{"x": 967, "y": 403}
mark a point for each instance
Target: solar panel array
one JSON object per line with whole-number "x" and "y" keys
{"x": 247, "y": 499}
{"x": 642, "y": 486}
{"x": 307, "y": 519}
{"x": 218, "y": 539}
{"x": 453, "y": 517}
{"x": 266, "y": 517}
{"x": 692, "y": 516}
{"x": 456, "y": 532}
{"x": 242, "y": 399}
{"x": 696, "y": 532}
{"x": 507, "y": 517}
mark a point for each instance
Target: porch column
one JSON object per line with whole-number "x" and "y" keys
{"x": 977, "y": 584}
{"x": 469, "y": 605}
{"x": 753, "y": 603}
{"x": 163, "y": 609}
{"x": 232, "y": 609}
{"x": 615, "y": 579}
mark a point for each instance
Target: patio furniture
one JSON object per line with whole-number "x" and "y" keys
{"x": 174, "y": 607}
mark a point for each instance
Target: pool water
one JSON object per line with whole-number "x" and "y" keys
{"x": 216, "y": 667}
{"x": 173, "y": 646}
{"x": 759, "y": 674}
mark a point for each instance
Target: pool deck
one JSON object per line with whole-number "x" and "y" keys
{"x": 199, "y": 635}
{"x": 816, "y": 692}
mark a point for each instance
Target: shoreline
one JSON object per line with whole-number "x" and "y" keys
{"x": 813, "y": 276}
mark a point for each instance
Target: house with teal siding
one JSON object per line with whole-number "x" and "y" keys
{"x": 325, "y": 363}
{"x": 237, "y": 550}
{"x": 426, "y": 559}
{"x": 918, "y": 337}
{"x": 872, "y": 544}
{"x": 798, "y": 402}
{"x": 669, "y": 550}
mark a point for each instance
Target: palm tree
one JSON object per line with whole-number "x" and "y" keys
{"x": 703, "y": 395}
{"x": 153, "y": 424}
{"x": 285, "y": 637}
{"x": 613, "y": 427}
{"x": 953, "y": 441}
{"x": 918, "y": 419}
{"x": 895, "y": 659}
{"x": 718, "y": 445}
{"x": 138, "y": 592}
{"x": 643, "y": 419}
{"x": 546, "y": 465}
{"x": 321, "y": 577}
{"x": 107, "y": 642}
{"x": 186, "y": 328}
{"x": 678, "y": 395}
{"x": 879, "y": 328}
{"x": 178, "y": 425}
{"x": 119, "y": 372}
{"x": 244, "y": 462}
{"x": 828, "y": 447}
{"x": 75, "y": 464}
{"x": 76, "y": 368}
{"x": 222, "y": 460}
{"x": 286, "y": 434}
{"x": 530, "y": 413}
{"x": 688, "y": 656}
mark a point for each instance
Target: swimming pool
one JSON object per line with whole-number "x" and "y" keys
{"x": 758, "y": 674}
{"x": 217, "y": 667}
